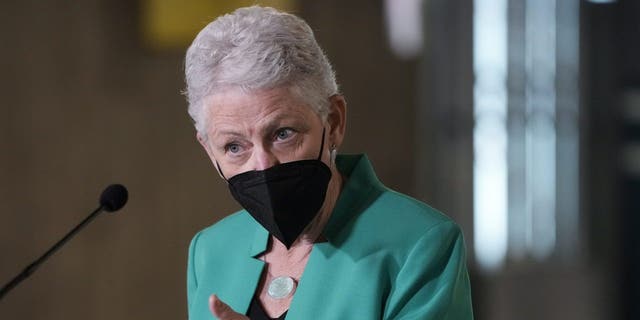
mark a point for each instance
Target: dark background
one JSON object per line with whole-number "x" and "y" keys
{"x": 86, "y": 102}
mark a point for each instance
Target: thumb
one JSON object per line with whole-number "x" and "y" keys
{"x": 222, "y": 311}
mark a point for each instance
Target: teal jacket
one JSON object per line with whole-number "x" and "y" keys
{"x": 388, "y": 256}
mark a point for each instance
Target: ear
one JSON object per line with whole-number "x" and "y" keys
{"x": 337, "y": 119}
{"x": 205, "y": 145}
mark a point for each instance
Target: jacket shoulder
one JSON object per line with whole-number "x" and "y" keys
{"x": 406, "y": 212}
{"x": 228, "y": 231}
{"x": 397, "y": 222}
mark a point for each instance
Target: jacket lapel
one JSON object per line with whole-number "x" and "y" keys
{"x": 246, "y": 273}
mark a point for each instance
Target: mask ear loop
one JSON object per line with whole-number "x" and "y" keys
{"x": 220, "y": 170}
{"x": 321, "y": 145}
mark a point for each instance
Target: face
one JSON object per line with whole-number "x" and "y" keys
{"x": 254, "y": 131}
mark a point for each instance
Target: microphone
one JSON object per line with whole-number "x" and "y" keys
{"x": 113, "y": 198}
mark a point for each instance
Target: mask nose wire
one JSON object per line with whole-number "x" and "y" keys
{"x": 319, "y": 156}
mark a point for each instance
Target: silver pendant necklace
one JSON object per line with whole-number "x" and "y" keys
{"x": 281, "y": 287}
{"x": 284, "y": 286}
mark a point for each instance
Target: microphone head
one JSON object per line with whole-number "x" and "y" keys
{"x": 114, "y": 197}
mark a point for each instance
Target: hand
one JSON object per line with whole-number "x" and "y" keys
{"x": 222, "y": 311}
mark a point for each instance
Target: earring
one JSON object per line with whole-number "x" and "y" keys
{"x": 333, "y": 153}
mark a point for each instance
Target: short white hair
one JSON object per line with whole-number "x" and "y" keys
{"x": 257, "y": 48}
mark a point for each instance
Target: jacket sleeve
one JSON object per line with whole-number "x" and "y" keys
{"x": 192, "y": 280}
{"x": 433, "y": 282}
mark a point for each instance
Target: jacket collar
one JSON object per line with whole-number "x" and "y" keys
{"x": 362, "y": 187}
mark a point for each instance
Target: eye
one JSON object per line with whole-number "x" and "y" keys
{"x": 284, "y": 133}
{"x": 233, "y": 148}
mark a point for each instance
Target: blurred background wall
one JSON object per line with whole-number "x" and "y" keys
{"x": 534, "y": 110}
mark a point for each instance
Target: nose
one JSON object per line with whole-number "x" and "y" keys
{"x": 263, "y": 159}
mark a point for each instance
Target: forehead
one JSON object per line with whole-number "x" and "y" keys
{"x": 235, "y": 109}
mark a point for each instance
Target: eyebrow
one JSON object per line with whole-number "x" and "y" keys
{"x": 276, "y": 122}
{"x": 269, "y": 127}
{"x": 227, "y": 133}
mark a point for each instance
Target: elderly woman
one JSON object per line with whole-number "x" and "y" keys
{"x": 320, "y": 237}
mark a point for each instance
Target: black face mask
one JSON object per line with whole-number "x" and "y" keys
{"x": 285, "y": 198}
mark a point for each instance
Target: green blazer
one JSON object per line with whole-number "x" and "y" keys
{"x": 388, "y": 256}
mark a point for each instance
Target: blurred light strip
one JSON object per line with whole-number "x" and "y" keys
{"x": 540, "y": 130}
{"x": 404, "y": 27}
{"x": 490, "y": 132}
{"x": 568, "y": 131}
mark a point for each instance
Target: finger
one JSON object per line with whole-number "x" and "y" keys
{"x": 222, "y": 311}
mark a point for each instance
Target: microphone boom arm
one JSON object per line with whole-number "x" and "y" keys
{"x": 30, "y": 269}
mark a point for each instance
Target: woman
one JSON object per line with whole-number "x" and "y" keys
{"x": 320, "y": 236}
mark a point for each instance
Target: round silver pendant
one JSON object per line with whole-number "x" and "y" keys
{"x": 281, "y": 287}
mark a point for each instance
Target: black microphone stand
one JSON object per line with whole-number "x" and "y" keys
{"x": 35, "y": 264}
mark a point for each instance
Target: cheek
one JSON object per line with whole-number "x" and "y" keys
{"x": 316, "y": 148}
{"x": 213, "y": 159}
{"x": 298, "y": 148}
